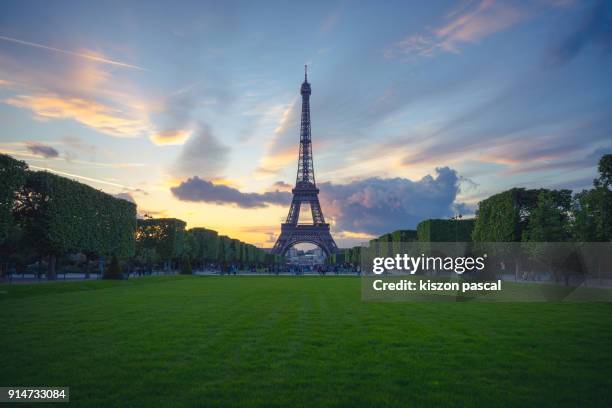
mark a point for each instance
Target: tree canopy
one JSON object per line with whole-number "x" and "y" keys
{"x": 12, "y": 177}
{"x": 60, "y": 215}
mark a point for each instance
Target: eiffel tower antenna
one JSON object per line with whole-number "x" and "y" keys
{"x": 305, "y": 192}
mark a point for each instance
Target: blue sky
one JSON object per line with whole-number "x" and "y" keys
{"x": 419, "y": 109}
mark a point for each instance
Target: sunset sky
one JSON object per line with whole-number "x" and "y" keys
{"x": 419, "y": 109}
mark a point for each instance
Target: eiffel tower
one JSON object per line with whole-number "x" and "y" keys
{"x": 305, "y": 192}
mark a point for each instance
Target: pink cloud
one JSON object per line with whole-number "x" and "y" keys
{"x": 470, "y": 25}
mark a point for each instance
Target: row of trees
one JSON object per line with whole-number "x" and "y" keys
{"x": 562, "y": 221}
{"x": 167, "y": 241}
{"x": 542, "y": 215}
{"x": 519, "y": 215}
{"x": 45, "y": 217}
{"x": 434, "y": 230}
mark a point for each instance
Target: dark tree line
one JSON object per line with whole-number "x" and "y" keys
{"x": 166, "y": 241}
{"x": 543, "y": 215}
{"x": 45, "y": 217}
{"x": 518, "y": 215}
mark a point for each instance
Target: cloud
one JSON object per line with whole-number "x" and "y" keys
{"x": 562, "y": 162}
{"x": 362, "y": 208}
{"x": 175, "y": 115}
{"x": 41, "y": 149}
{"x": 274, "y": 162}
{"x": 270, "y": 231}
{"x": 89, "y": 55}
{"x": 200, "y": 190}
{"x": 505, "y": 129}
{"x": 99, "y": 116}
{"x": 331, "y": 20}
{"x": 376, "y": 205}
{"x": 74, "y": 146}
{"x": 126, "y": 197}
{"x": 470, "y": 25}
{"x": 424, "y": 45}
{"x": 202, "y": 155}
{"x": 595, "y": 29}
{"x": 176, "y": 110}
{"x": 170, "y": 137}
{"x": 282, "y": 186}
{"x": 95, "y": 95}
{"x": 489, "y": 17}
{"x": 281, "y": 147}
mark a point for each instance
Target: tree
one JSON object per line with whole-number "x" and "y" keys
{"x": 165, "y": 235}
{"x": 548, "y": 226}
{"x": 12, "y": 177}
{"x": 114, "y": 270}
{"x": 605, "y": 172}
{"x": 548, "y": 221}
{"x": 235, "y": 250}
{"x": 592, "y": 209}
{"x": 504, "y": 217}
{"x": 147, "y": 257}
{"x": 60, "y": 216}
{"x": 225, "y": 251}
{"x": 203, "y": 244}
{"x": 455, "y": 230}
{"x": 186, "y": 265}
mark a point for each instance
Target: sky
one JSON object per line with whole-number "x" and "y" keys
{"x": 419, "y": 109}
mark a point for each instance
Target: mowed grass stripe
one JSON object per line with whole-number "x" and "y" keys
{"x": 301, "y": 341}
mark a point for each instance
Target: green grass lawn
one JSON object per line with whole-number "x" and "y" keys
{"x": 290, "y": 341}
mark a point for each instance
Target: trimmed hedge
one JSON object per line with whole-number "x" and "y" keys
{"x": 165, "y": 235}
{"x": 225, "y": 251}
{"x": 504, "y": 217}
{"x": 12, "y": 178}
{"x": 205, "y": 244}
{"x": 60, "y": 216}
{"x": 114, "y": 270}
{"x": 236, "y": 247}
{"x": 445, "y": 230}
{"x": 55, "y": 215}
{"x": 401, "y": 238}
{"x": 404, "y": 236}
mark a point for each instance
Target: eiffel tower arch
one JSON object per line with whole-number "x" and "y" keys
{"x": 305, "y": 192}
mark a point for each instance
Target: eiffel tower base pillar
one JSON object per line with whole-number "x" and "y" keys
{"x": 318, "y": 235}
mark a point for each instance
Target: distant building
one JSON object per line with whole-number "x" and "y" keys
{"x": 310, "y": 257}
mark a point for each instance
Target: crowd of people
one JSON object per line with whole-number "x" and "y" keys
{"x": 279, "y": 269}
{"x": 95, "y": 269}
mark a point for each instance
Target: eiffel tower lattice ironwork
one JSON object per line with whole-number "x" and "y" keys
{"x": 305, "y": 192}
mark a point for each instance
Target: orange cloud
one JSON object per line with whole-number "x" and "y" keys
{"x": 274, "y": 162}
{"x": 280, "y": 152}
{"x": 101, "y": 117}
{"x": 354, "y": 235}
{"x": 170, "y": 137}
{"x": 287, "y": 117}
